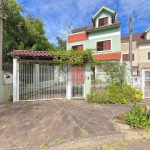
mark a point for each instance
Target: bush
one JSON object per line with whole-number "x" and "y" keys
{"x": 99, "y": 96}
{"x": 123, "y": 94}
{"x": 139, "y": 117}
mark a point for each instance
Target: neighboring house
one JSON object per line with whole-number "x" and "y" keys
{"x": 140, "y": 58}
{"x": 103, "y": 36}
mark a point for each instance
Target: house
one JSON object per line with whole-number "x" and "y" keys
{"x": 140, "y": 59}
{"x": 103, "y": 37}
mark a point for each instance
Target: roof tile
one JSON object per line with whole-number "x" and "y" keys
{"x": 137, "y": 37}
{"x": 91, "y": 27}
{"x": 30, "y": 53}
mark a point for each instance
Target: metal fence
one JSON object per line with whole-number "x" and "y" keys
{"x": 7, "y": 66}
{"x": 44, "y": 81}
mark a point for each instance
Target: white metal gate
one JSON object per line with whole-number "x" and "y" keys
{"x": 146, "y": 83}
{"x": 45, "y": 81}
{"x": 39, "y": 81}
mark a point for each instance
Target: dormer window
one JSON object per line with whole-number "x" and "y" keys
{"x": 103, "y": 21}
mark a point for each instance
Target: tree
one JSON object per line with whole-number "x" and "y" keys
{"x": 21, "y": 32}
{"x": 61, "y": 43}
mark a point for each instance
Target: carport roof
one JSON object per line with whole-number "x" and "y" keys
{"x": 29, "y": 54}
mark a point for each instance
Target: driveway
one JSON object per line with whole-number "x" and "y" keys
{"x": 46, "y": 124}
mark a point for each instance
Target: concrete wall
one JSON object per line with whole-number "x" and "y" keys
{"x": 5, "y": 90}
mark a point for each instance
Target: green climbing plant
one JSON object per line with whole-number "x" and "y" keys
{"x": 73, "y": 57}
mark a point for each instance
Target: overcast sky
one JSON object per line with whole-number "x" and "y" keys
{"x": 55, "y": 13}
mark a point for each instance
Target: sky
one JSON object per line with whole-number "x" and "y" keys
{"x": 58, "y": 14}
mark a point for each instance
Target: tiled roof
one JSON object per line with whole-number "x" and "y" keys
{"x": 30, "y": 53}
{"x": 137, "y": 37}
{"x": 91, "y": 27}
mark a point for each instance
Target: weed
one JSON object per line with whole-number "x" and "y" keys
{"x": 139, "y": 117}
{"x": 111, "y": 121}
{"x": 90, "y": 147}
{"x": 59, "y": 140}
{"x": 74, "y": 124}
{"x": 84, "y": 134}
{"x": 122, "y": 118}
{"x": 125, "y": 145}
{"x": 45, "y": 144}
{"x": 109, "y": 147}
{"x": 4, "y": 127}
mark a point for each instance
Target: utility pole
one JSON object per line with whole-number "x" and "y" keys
{"x": 130, "y": 49}
{"x": 1, "y": 33}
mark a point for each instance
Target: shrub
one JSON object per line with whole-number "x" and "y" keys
{"x": 139, "y": 117}
{"x": 99, "y": 96}
{"x": 123, "y": 94}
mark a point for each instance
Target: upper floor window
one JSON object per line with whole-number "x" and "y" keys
{"x": 103, "y": 21}
{"x": 78, "y": 47}
{"x": 125, "y": 57}
{"x": 104, "y": 45}
{"x": 148, "y": 55}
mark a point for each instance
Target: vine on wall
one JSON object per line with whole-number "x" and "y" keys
{"x": 73, "y": 57}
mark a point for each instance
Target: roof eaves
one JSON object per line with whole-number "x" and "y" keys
{"x": 145, "y": 32}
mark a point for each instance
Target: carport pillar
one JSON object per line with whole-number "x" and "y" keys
{"x": 68, "y": 83}
{"x": 87, "y": 79}
{"x": 15, "y": 80}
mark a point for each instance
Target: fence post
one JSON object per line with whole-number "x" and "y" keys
{"x": 68, "y": 83}
{"x": 15, "y": 80}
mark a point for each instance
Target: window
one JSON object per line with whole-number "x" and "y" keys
{"x": 78, "y": 47}
{"x": 125, "y": 57}
{"x": 148, "y": 55}
{"x": 103, "y": 21}
{"x": 104, "y": 45}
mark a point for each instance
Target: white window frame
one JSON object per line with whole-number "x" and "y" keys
{"x": 102, "y": 18}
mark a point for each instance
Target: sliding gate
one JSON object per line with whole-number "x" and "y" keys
{"x": 45, "y": 81}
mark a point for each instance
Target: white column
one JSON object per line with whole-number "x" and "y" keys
{"x": 15, "y": 80}
{"x": 68, "y": 83}
{"x": 143, "y": 81}
{"x": 87, "y": 79}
